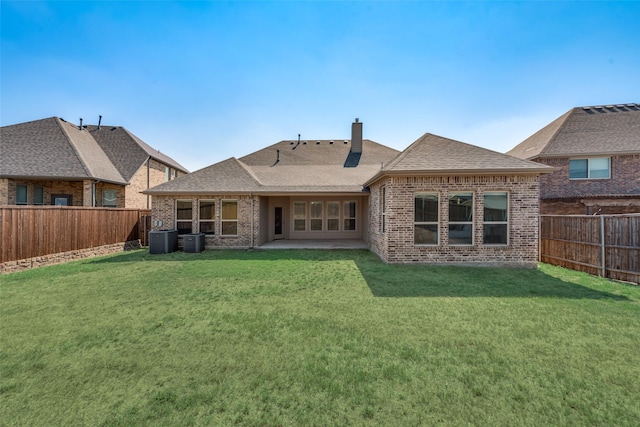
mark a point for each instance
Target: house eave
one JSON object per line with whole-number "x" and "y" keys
{"x": 62, "y": 178}
{"x": 462, "y": 172}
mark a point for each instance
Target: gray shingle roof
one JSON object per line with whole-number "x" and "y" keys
{"x": 601, "y": 130}
{"x": 432, "y": 154}
{"x": 54, "y": 148}
{"x": 314, "y": 166}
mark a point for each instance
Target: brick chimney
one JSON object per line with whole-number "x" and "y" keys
{"x": 356, "y": 136}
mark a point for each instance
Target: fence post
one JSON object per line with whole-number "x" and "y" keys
{"x": 602, "y": 247}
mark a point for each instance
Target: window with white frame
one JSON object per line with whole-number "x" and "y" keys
{"x": 21, "y": 194}
{"x": 167, "y": 173}
{"x": 184, "y": 216}
{"x": 383, "y": 209}
{"x": 109, "y": 198}
{"x": 299, "y": 216}
{"x": 496, "y": 218}
{"x": 461, "y": 218}
{"x": 426, "y": 219}
{"x": 315, "y": 211}
{"x": 591, "y": 168}
{"x": 38, "y": 195}
{"x": 349, "y": 213}
{"x": 207, "y": 216}
{"x": 229, "y": 218}
{"x": 333, "y": 216}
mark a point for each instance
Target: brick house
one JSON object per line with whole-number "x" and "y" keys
{"x": 438, "y": 201}
{"x": 596, "y": 153}
{"x": 54, "y": 162}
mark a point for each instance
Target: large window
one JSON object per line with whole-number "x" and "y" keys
{"x": 299, "y": 216}
{"x": 589, "y": 168}
{"x": 333, "y": 216}
{"x": 425, "y": 217}
{"x": 207, "y": 216}
{"x": 38, "y": 195}
{"x": 316, "y": 216}
{"x": 184, "y": 216}
{"x": 229, "y": 217}
{"x": 461, "y": 219}
{"x": 496, "y": 218}
{"x": 349, "y": 216}
{"x": 21, "y": 194}
{"x": 109, "y": 198}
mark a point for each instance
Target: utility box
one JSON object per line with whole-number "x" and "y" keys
{"x": 163, "y": 241}
{"x": 193, "y": 242}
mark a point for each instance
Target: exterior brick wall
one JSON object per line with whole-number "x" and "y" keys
{"x": 396, "y": 245}
{"x": 625, "y": 179}
{"x": 164, "y": 217}
{"x": 74, "y": 188}
{"x": 59, "y": 258}
{"x": 156, "y": 176}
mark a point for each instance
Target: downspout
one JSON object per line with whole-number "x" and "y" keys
{"x": 148, "y": 178}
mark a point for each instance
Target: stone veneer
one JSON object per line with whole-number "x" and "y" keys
{"x": 164, "y": 211}
{"x": 396, "y": 245}
{"x": 62, "y": 257}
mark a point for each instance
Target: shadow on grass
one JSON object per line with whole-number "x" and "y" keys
{"x": 401, "y": 281}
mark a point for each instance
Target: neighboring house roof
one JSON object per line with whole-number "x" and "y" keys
{"x": 584, "y": 131}
{"x": 435, "y": 155}
{"x": 52, "y": 148}
{"x": 127, "y": 151}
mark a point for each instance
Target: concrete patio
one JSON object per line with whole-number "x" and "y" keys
{"x": 315, "y": 244}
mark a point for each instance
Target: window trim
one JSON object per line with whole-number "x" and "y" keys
{"x": 436, "y": 223}
{"x": 507, "y": 222}
{"x": 334, "y": 218}
{"x": 212, "y": 220}
{"x": 226, "y": 220}
{"x": 471, "y": 223}
{"x": 299, "y": 217}
{"x": 312, "y": 218}
{"x": 383, "y": 210}
{"x": 589, "y": 159}
{"x": 184, "y": 220}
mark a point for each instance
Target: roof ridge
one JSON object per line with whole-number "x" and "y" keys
{"x": 402, "y": 154}
{"x": 248, "y": 170}
{"x": 71, "y": 142}
{"x": 561, "y": 122}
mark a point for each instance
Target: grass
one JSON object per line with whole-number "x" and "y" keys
{"x": 314, "y": 338}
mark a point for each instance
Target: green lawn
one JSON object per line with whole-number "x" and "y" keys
{"x": 314, "y": 338}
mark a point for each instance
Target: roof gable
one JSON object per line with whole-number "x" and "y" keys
{"x": 436, "y": 154}
{"x": 586, "y": 131}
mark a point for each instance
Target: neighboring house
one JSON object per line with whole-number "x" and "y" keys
{"x": 54, "y": 162}
{"x": 596, "y": 151}
{"x": 439, "y": 201}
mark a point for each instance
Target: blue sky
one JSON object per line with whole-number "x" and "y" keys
{"x": 205, "y": 81}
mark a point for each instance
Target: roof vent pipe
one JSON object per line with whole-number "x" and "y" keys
{"x": 356, "y": 136}
{"x": 80, "y": 127}
{"x": 99, "y": 121}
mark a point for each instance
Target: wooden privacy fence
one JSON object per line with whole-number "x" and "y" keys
{"x": 604, "y": 245}
{"x": 33, "y": 231}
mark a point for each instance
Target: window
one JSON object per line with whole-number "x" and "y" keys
{"x": 496, "y": 217}
{"x": 21, "y": 194}
{"x": 333, "y": 216}
{"x": 184, "y": 216}
{"x": 316, "y": 216}
{"x": 461, "y": 219}
{"x": 38, "y": 195}
{"x": 383, "y": 203}
{"x": 207, "y": 216}
{"x": 425, "y": 217}
{"x": 109, "y": 198}
{"x": 349, "y": 216}
{"x": 589, "y": 168}
{"x": 299, "y": 216}
{"x": 229, "y": 217}
{"x": 167, "y": 173}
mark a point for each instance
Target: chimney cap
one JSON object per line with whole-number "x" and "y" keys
{"x": 357, "y": 120}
